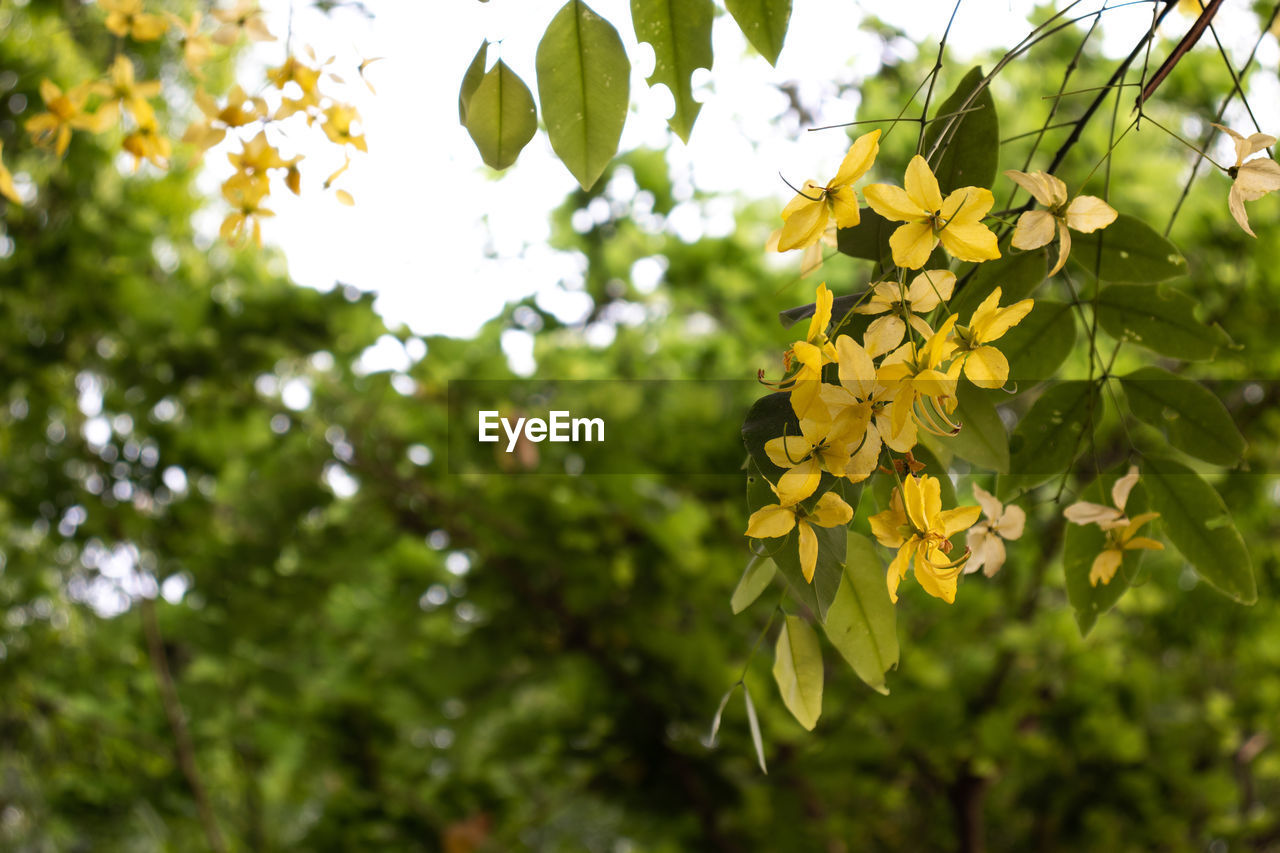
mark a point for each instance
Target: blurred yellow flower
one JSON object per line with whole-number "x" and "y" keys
{"x": 146, "y": 142}
{"x": 1035, "y": 228}
{"x": 244, "y": 17}
{"x": 197, "y": 49}
{"x": 337, "y": 126}
{"x": 65, "y": 113}
{"x": 956, "y": 221}
{"x": 7, "y": 189}
{"x": 121, "y": 89}
{"x": 126, "y": 18}
{"x": 245, "y": 219}
{"x": 805, "y": 217}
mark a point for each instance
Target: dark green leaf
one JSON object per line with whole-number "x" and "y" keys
{"x": 755, "y": 579}
{"x": 1196, "y": 520}
{"x": 763, "y": 22}
{"x": 862, "y": 623}
{"x": 1050, "y": 436}
{"x": 584, "y": 80}
{"x": 1190, "y": 416}
{"x": 1039, "y": 344}
{"x": 471, "y": 81}
{"x": 501, "y": 116}
{"x": 1017, "y": 275}
{"x": 797, "y": 670}
{"x": 1159, "y": 318}
{"x": 970, "y": 151}
{"x": 680, "y": 33}
{"x": 868, "y": 239}
{"x": 1127, "y": 250}
{"x": 982, "y": 439}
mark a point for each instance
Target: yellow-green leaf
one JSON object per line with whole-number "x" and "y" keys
{"x": 797, "y": 669}
{"x": 862, "y": 622}
{"x": 1190, "y": 416}
{"x": 471, "y": 81}
{"x": 501, "y": 116}
{"x": 584, "y": 81}
{"x": 756, "y": 577}
{"x": 764, "y": 23}
{"x": 680, "y": 34}
{"x": 970, "y": 142}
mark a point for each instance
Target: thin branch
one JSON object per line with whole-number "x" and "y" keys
{"x": 1188, "y": 42}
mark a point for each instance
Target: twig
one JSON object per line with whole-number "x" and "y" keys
{"x": 1188, "y": 42}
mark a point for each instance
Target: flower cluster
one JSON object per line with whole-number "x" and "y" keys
{"x": 300, "y": 87}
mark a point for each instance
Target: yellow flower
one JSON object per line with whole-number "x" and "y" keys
{"x": 257, "y": 156}
{"x": 123, "y": 90}
{"x": 1190, "y": 7}
{"x": 1252, "y": 179}
{"x": 813, "y": 353}
{"x": 805, "y": 217}
{"x": 126, "y": 18}
{"x": 147, "y": 143}
{"x": 920, "y": 529}
{"x": 238, "y": 111}
{"x": 196, "y": 47}
{"x": 245, "y": 196}
{"x": 7, "y": 189}
{"x": 65, "y": 112}
{"x": 985, "y": 539}
{"x": 914, "y": 378}
{"x": 823, "y": 445}
{"x": 1085, "y": 214}
{"x": 956, "y": 221}
{"x": 985, "y": 365}
{"x": 244, "y": 17}
{"x": 337, "y": 126}
{"x": 929, "y": 289}
{"x": 861, "y": 392}
{"x": 1121, "y": 532}
{"x": 774, "y": 520}
{"x": 294, "y": 71}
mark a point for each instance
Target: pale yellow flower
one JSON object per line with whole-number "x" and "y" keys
{"x": 986, "y": 538}
{"x": 1252, "y": 179}
{"x": 1121, "y": 531}
{"x": 1085, "y": 213}
{"x": 928, "y": 290}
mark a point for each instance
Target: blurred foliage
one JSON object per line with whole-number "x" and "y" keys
{"x": 373, "y": 653}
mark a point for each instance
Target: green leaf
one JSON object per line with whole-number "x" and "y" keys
{"x": 764, "y": 23}
{"x": 785, "y": 552}
{"x": 1017, "y": 275}
{"x": 1197, "y": 522}
{"x": 471, "y": 81}
{"x": 970, "y": 150}
{"x": 1159, "y": 318}
{"x": 797, "y": 669}
{"x": 1083, "y": 543}
{"x": 755, "y": 579}
{"x": 868, "y": 239}
{"x": 753, "y": 723}
{"x": 501, "y": 116}
{"x": 1127, "y": 250}
{"x": 1039, "y": 344}
{"x": 982, "y": 439}
{"x": 680, "y": 33}
{"x": 1189, "y": 415}
{"x": 710, "y": 740}
{"x": 1049, "y": 436}
{"x": 584, "y": 80}
{"x": 862, "y": 623}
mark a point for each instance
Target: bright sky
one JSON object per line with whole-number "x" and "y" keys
{"x": 445, "y": 245}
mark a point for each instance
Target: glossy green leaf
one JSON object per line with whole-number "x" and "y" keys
{"x": 1082, "y": 543}
{"x": 1039, "y": 344}
{"x": 797, "y": 670}
{"x": 970, "y": 143}
{"x": 755, "y": 579}
{"x": 764, "y": 23}
{"x": 471, "y": 81}
{"x": 982, "y": 439}
{"x": 753, "y": 723}
{"x": 1050, "y": 436}
{"x": 1127, "y": 250}
{"x": 1197, "y": 522}
{"x": 869, "y": 239}
{"x": 1190, "y": 416}
{"x": 862, "y": 623}
{"x": 584, "y": 80}
{"x": 680, "y": 33}
{"x": 1159, "y": 318}
{"x": 501, "y": 116}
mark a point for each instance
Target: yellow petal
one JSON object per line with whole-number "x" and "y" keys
{"x": 831, "y": 510}
{"x": 799, "y": 482}
{"x": 787, "y": 451}
{"x": 1064, "y": 246}
{"x": 770, "y": 522}
{"x": 1087, "y": 214}
{"x": 810, "y": 193}
{"x": 887, "y": 527}
{"x": 922, "y": 186}
{"x": 893, "y": 203}
{"x": 952, "y": 521}
{"x": 939, "y": 584}
{"x": 970, "y": 242}
{"x": 1044, "y": 188}
{"x": 844, "y": 204}
{"x": 1123, "y": 486}
{"x": 808, "y": 549}
{"x": 1104, "y": 567}
{"x": 804, "y": 226}
{"x": 862, "y": 153}
{"x": 884, "y": 334}
{"x": 823, "y": 300}
{"x": 1143, "y": 543}
{"x": 919, "y": 496}
{"x": 862, "y": 464}
{"x": 930, "y": 288}
{"x": 1136, "y": 524}
{"x": 856, "y": 369}
{"x": 912, "y": 244}
{"x": 967, "y": 205}
{"x": 1035, "y": 229}
{"x": 898, "y": 568}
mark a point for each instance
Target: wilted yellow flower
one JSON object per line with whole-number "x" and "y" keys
{"x": 805, "y": 217}
{"x": 244, "y": 17}
{"x": 1121, "y": 532}
{"x": 65, "y": 113}
{"x": 774, "y": 520}
{"x": 1252, "y": 179}
{"x": 126, "y": 18}
{"x": 7, "y": 189}
{"x": 245, "y": 197}
{"x": 920, "y": 529}
{"x": 956, "y": 221}
{"x": 985, "y": 365}
{"x": 927, "y": 291}
{"x": 986, "y": 538}
{"x": 1085, "y": 214}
